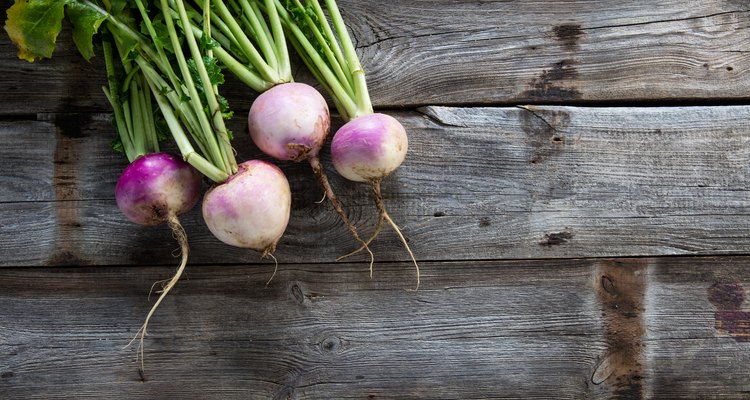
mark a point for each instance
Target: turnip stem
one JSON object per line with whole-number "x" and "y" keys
{"x": 113, "y": 95}
{"x": 355, "y": 68}
{"x": 282, "y": 52}
{"x": 248, "y": 77}
{"x": 327, "y": 46}
{"x": 247, "y": 47}
{"x": 226, "y": 155}
{"x": 186, "y": 149}
{"x": 258, "y": 25}
{"x": 340, "y": 60}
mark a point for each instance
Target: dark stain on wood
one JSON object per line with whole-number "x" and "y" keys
{"x": 569, "y": 36}
{"x": 729, "y": 319}
{"x": 297, "y": 294}
{"x": 7, "y": 375}
{"x": 65, "y": 182}
{"x": 556, "y": 83}
{"x": 484, "y": 222}
{"x": 543, "y": 129}
{"x": 621, "y": 288}
{"x": 556, "y": 238}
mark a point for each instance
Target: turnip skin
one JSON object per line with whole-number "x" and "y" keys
{"x": 156, "y": 186}
{"x": 369, "y": 147}
{"x": 251, "y": 209}
{"x": 289, "y": 121}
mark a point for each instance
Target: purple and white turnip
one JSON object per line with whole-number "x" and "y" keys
{"x": 370, "y": 146}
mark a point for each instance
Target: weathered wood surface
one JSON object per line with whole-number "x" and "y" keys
{"x": 524, "y": 182}
{"x": 457, "y": 52}
{"x": 554, "y": 188}
{"x": 573, "y": 329}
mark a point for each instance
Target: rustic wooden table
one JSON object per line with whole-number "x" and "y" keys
{"x": 577, "y": 192}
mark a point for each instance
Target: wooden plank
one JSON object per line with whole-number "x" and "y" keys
{"x": 533, "y": 182}
{"x": 444, "y": 52}
{"x": 513, "y": 329}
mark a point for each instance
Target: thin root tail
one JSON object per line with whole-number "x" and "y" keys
{"x": 384, "y": 216}
{"x": 320, "y": 174}
{"x": 181, "y": 237}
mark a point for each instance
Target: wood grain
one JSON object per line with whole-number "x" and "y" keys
{"x": 521, "y": 182}
{"x": 498, "y": 329}
{"x": 444, "y": 52}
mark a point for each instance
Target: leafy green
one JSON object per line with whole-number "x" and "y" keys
{"x": 208, "y": 43}
{"x": 213, "y": 69}
{"x": 86, "y": 22}
{"x": 162, "y": 34}
{"x": 33, "y": 25}
{"x": 117, "y": 145}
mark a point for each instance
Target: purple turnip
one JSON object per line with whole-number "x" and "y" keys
{"x": 156, "y": 188}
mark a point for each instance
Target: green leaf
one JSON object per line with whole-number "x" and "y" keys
{"x": 226, "y": 113}
{"x": 33, "y": 25}
{"x": 162, "y": 33}
{"x": 162, "y": 129}
{"x": 208, "y": 43}
{"x": 117, "y": 145}
{"x": 86, "y": 22}
{"x": 214, "y": 73}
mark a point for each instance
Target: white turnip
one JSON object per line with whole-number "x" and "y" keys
{"x": 291, "y": 122}
{"x": 251, "y": 208}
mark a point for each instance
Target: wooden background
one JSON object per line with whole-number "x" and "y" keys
{"x": 577, "y": 192}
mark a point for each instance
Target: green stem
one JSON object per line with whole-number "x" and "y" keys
{"x": 149, "y": 114}
{"x": 261, "y": 33}
{"x": 363, "y": 97}
{"x": 282, "y": 52}
{"x": 183, "y": 143}
{"x": 247, "y": 47}
{"x": 129, "y": 32}
{"x": 326, "y": 44}
{"x": 241, "y": 71}
{"x": 113, "y": 95}
{"x": 247, "y": 76}
{"x": 227, "y": 157}
{"x": 185, "y": 112}
{"x": 339, "y": 56}
{"x": 214, "y": 153}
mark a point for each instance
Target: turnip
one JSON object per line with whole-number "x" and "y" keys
{"x": 251, "y": 209}
{"x": 369, "y": 146}
{"x": 288, "y": 121}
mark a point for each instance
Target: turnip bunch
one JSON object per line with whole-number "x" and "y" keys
{"x": 253, "y": 207}
{"x": 288, "y": 121}
{"x": 370, "y": 146}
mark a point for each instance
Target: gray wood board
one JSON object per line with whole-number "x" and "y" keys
{"x": 563, "y": 329}
{"x": 476, "y": 52}
{"x": 479, "y": 183}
